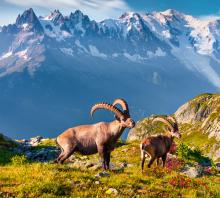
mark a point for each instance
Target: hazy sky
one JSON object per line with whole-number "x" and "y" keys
{"x": 101, "y": 9}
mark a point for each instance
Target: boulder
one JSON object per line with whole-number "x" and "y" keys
{"x": 102, "y": 174}
{"x": 192, "y": 171}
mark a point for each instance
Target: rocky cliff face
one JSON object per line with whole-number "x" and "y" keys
{"x": 199, "y": 121}
{"x": 204, "y": 112}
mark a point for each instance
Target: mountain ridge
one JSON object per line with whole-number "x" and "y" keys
{"x": 141, "y": 37}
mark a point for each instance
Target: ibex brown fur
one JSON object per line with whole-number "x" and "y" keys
{"x": 157, "y": 147}
{"x": 100, "y": 137}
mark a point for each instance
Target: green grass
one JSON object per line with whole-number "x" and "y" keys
{"x": 48, "y": 142}
{"x": 196, "y": 138}
{"x": 22, "y": 179}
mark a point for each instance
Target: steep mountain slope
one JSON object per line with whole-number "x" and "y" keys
{"x": 203, "y": 111}
{"x": 199, "y": 121}
{"x": 54, "y": 68}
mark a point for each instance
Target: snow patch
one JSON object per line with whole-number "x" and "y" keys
{"x": 22, "y": 54}
{"x": 8, "y": 54}
{"x": 95, "y": 52}
{"x": 196, "y": 62}
{"x": 56, "y": 32}
{"x": 80, "y": 28}
{"x": 77, "y": 42}
{"x": 134, "y": 57}
{"x": 157, "y": 53}
{"x": 156, "y": 78}
{"x": 166, "y": 34}
{"x": 67, "y": 51}
{"x": 25, "y": 26}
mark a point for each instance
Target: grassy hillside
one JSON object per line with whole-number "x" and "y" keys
{"x": 6, "y": 145}
{"x": 21, "y": 178}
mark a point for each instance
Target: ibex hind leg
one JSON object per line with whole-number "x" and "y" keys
{"x": 158, "y": 161}
{"x": 68, "y": 150}
{"x": 66, "y": 155}
{"x": 164, "y": 157}
{"x": 151, "y": 162}
{"x": 60, "y": 155}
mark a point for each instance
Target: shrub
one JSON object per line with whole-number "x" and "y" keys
{"x": 186, "y": 153}
{"x": 174, "y": 163}
{"x": 5, "y": 156}
{"x": 180, "y": 181}
{"x": 19, "y": 160}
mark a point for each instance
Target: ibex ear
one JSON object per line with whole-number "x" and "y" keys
{"x": 117, "y": 118}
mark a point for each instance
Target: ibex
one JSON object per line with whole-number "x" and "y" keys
{"x": 100, "y": 137}
{"x": 157, "y": 147}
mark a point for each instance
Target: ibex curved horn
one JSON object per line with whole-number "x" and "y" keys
{"x": 123, "y": 104}
{"x": 107, "y": 106}
{"x": 172, "y": 119}
{"x": 165, "y": 121}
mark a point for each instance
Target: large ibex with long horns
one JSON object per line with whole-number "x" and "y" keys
{"x": 100, "y": 137}
{"x": 157, "y": 147}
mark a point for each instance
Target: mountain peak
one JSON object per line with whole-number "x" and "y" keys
{"x": 27, "y": 17}
{"x": 28, "y": 20}
{"x": 77, "y": 15}
{"x": 172, "y": 12}
{"x": 129, "y": 15}
{"x": 55, "y": 16}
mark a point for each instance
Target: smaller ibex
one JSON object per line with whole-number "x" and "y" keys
{"x": 157, "y": 147}
{"x": 100, "y": 137}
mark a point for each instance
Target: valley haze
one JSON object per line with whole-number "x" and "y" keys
{"x": 54, "y": 68}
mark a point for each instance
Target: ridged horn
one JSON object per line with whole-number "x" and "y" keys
{"x": 107, "y": 106}
{"x": 123, "y": 104}
{"x": 172, "y": 119}
{"x": 174, "y": 122}
{"x": 160, "y": 119}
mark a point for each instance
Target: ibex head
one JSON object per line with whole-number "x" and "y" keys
{"x": 172, "y": 125}
{"x": 123, "y": 117}
{"x": 127, "y": 121}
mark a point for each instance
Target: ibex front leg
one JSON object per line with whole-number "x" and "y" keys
{"x": 142, "y": 160}
{"x": 107, "y": 159}
{"x": 103, "y": 156}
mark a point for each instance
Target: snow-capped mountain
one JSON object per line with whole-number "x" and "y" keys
{"x": 53, "y": 68}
